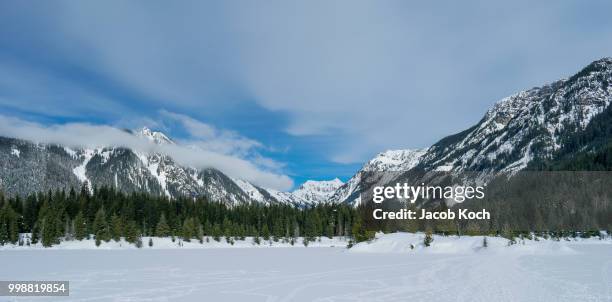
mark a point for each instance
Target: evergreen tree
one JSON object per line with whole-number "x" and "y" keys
{"x": 360, "y": 233}
{"x": 35, "y": 233}
{"x": 100, "y": 226}
{"x": 132, "y": 234}
{"x": 106, "y": 213}
{"x": 278, "y": 230}
{"x": 216, "y": 232}
{"x": 49, "y": 232}
{"x": 80, "y": 226}
{"x": 189, "y": 229}
{"x": 116, "y": 227}
{"x": 162, "y": 229}
{"x": 68, "y": 228}
{"x": 265, "y": 232}
{"x": 9, "y": 232}
{"x": 226, "y": 228}
{"x": 200, "y": 233}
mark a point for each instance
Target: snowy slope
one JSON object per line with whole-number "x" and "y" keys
{"x": 312, "y": 191}
{"x": 34, "y": 167}
{"x": 42, "y": 167}
{"x": 391, "y": 160}
{"x": 251, "y": 190}
{"x": 526, "y": 125}
{"x": 516, "y": 130}
{"x": 154, "y": 136}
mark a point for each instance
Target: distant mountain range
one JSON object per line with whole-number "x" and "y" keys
{"x": 27, "y": 167}
{"x": 531, "y": 129}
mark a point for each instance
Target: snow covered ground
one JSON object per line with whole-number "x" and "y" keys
{"x": 167, "y": 243}
{"x": 388, "y": 269}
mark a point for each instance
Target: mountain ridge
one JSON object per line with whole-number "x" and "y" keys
{"x": 523, "y": 127}
{"x": 131, "y": 170}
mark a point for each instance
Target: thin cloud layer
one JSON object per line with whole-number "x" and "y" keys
{"x": 95, "y": 136}
{"x": 210, "y": 138}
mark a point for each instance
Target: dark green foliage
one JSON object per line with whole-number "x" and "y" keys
{"x": 100, "y": 226}
{"x": 116, "y": 227}
{"x": 132, "y": 232}
{"x": 190, "y": 229}
{"x": 9, "y": 232}
{"x": 265, "y": 233}
{"x": 80, "y": 227}
{"x": 216, "y": 232}
{"x": 162, "y": 229}
{"x": 109, "y": 214}
{"x": 360, "y": 233}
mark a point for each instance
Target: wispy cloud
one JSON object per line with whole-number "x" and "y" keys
{"x": 211, "y": 138}
{"x": 94, "y": 136}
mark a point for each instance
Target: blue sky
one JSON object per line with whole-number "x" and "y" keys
{"x": 308, "y": 90}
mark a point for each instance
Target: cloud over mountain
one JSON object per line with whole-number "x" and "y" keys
{"x": 95, "y": 136}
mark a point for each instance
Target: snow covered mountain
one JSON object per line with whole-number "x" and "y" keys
{"x": 309, "y": 193}
{"x": 517, "y": 130}
{"x": 388, "y": 161}
{"x": 154, "y": 136}
{"x": 28, "y": 167}
{"x": 312, "y": 192}
{"x": 42, "y": 167}
{"x": 527, "y": 125}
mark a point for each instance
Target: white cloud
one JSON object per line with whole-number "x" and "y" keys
{"x": 210, "y": 138}
{"x": 92, "y": 136}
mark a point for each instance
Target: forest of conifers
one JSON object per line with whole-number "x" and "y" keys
{"x": 556, "y": 204}
{"x": 108, "y": 215}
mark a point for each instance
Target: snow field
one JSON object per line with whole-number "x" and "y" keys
{"x": 387, "y": 269}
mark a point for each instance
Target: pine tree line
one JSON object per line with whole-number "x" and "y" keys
{"x": 107, "y": 214}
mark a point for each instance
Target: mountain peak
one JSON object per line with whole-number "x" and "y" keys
{"x": 313, "y": 191}
{"x": 603, "y": 62}
{"x": 600, "y": 68}
{"x": 395, "y": 160}
{"x": 336, "y": 182}
{"x": 154, "y": 136}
